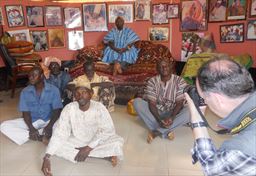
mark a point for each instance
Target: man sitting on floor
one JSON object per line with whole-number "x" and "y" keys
{"x": 85, "y": 128}
{"x": 103, "y": 88}
{"x": 163, "y": 109}
{"x": 40, "y": 104}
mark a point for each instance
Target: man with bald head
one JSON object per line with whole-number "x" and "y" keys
{"x": 163, "y": 107}
{"x": 228, "y": 90}
{"x": 40, "y": 104}
{"x": 120, "y": 49}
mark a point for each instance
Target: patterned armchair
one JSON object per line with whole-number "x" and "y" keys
{"x": 132, "y": 80}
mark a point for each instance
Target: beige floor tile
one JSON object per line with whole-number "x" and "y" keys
{"x": 185, "y": 172}
{"x": 143, "y": 171}
{"x": 93, "y": 169}
{"x": 139, "y": 153}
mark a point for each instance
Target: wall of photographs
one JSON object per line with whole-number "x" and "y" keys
{"x": 58, "y": 29}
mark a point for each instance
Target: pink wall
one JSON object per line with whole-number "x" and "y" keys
{"x": 140, "y": 27}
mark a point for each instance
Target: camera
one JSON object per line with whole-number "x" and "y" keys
{"x": 192, "y": 92}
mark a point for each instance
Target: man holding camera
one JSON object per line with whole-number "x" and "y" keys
{"x": 162, "y": 108}
{"x": 228, "y": 90}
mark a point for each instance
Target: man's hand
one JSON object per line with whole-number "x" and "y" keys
{"x": 166, "y": 122}
{"x": 83, "y": 153}
{"x": 34, "y": 134}
{"x": 195, "y": 116}
{"x": 47, "y": 132}
{"x": 46, "y": 167}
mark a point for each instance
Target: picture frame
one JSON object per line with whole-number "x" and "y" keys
{"x": 14, "y": 14}
{"x": 75, "y": 40}
{"x": 232, "y": 33}
{"x": 158, "y": 34}
{"x": 56, "y": 38}
{"x": 1, "y": 17}
{"x": 73, "y": 17}
{"x": 20, "y": 35}
{"x": 40, "y": 41}
{"x": 236, "y": 10}
{"x": 35, "y": 16}
{"x": 252, "y": 8}
{"x": 190, "y": 44}
{"x": 173, "y": 11}
{"x": 142, "y": 10}
{"x": 217, "y": 11}
{"x": 123, "y": 10}
{"x": 95, "y": 17}
{"x": 53, "y": 16}
{"x": 159, "y": 14}
{"x": 193, "y": 15}
{"x": 251, "y": 30}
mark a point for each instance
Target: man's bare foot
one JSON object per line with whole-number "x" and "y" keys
{"x": 151, "y": 136}
{"x": 114, "y": 161}
{"x": 171, "y": 136}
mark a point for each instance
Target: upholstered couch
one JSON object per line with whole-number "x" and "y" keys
{"x": 132, "y": 80}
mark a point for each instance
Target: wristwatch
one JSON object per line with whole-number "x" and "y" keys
{"x": 198, "y": 124}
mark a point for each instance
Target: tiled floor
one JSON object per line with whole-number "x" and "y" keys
{"x": 160, "y": 158}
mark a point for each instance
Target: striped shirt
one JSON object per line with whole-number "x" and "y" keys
{"x": 165, "y": 95}
{"x": 121, "y": 39}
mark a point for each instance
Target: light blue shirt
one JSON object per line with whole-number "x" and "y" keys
{"x": 40, "y": 106}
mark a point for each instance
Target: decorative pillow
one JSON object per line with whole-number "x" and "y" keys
{"x": 18, "y": 44}
{"x": 24, "y": 49}
{"x": 22, "y": 54}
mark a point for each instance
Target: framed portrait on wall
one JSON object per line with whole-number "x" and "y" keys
{"x": 39, "y": 39}
{"x": 173, "y": 10}
{"x": 236, "y": 9}
{"x": 1, "y": 17}
{"x": 20, "y": 35}
{"x": 15, "y": 15}
{"x": 252, "y": 8}
{"x": 142, "y": 10}
{"x": 193, "y": 15}
{"x": 95, "y": 17}
{"x": 159, "y": 14}
{"x": 251, "y": 30}
{"x": 158, "y": 34}
{"x": 35, "y": 16}
{"x": 217, "y": 10}
{"x": 75, "y": 40}
{"x": 56, "y": 38}
{"x": 53, "y": 16}
{"x": 73, "y": 17}
{"x": 232, "y": 33}
{"x": 123, "y": 10}
{"x": 190, "y": 44}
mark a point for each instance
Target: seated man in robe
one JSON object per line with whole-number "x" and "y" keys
{"x": 40, "y": 104}
{"x": 84, "y": 129}
{"x": 103, "y": 88}
{"x": 57, "y": 77}
{"x": 120, "y": 49}
{"x": 162, "y": 109}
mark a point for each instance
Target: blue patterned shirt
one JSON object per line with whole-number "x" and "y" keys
{"x": 121, "y": 39}
{"x": 222, "y": 162}
{"x": 60, "y": 80}
{"x": 40, "y": 106}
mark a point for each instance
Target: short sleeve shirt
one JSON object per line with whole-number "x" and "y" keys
{"x": 40, "y": 106}
{"x": 165, "y": 95}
